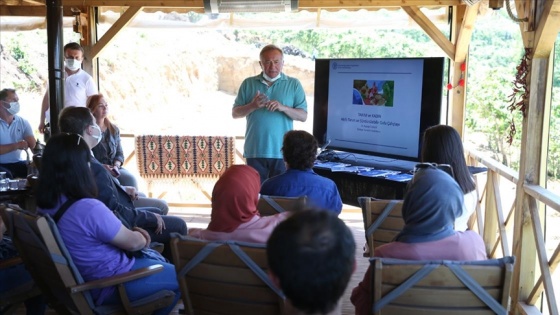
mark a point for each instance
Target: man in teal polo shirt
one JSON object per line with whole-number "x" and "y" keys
{"x": 270, "y": 101}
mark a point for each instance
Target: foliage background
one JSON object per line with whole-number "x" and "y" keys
{"x": 185, "y": 80}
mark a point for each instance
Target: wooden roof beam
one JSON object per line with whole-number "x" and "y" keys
{"x": 33, "y": 10}
{"x": 465, "y": 33}
{"x": 547, "y": 29}
{"x": 123, "y": 21}
{"x": 303, "y": 4}
{"x": 431, "y": 29}
{"x": 22, "y": 2}
{"x": 35, "y": 2}
{"x": 373, "y": 4}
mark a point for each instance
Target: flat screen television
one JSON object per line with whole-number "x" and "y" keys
{"x": 378, "y": 106}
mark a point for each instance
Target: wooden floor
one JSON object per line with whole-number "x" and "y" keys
{"x": 352, "y": 217}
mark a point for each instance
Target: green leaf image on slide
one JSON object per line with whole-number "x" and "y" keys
{"x": 388, "y": 92}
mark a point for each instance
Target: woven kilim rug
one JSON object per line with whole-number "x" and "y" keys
{"x": 180, "y": 156}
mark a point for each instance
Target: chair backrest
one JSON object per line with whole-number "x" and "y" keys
{"x": 11, "y": 300}
{"x": 224, "y": 277}
{"x": 402, "y": 287}
{"x": 48, "y": 262}
{"x": 382, "y": 220}
{"x": 270, "y": 205}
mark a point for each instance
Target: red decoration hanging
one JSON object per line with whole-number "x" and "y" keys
{"x": 461, "y": 81}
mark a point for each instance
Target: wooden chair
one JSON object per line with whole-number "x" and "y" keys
{"x": 270, "y": 205}
{"x": 47, "y": 259}
{"x": 402, "y": 287}
{"x": 12, "y": 300}
{"x": 382, "y": 221}
{"x": 224, "y": 277}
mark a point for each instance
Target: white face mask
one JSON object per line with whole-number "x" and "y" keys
{"x": 269, "y": 79}
{"x": 99, "y": 136}
{"x": 73, "y": 64}
{"x": 14, "y": 107}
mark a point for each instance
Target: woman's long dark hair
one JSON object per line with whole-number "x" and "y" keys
{"x": 443, "y": 145}
{"x": 65, "y": 171}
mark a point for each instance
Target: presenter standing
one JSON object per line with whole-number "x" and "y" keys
{"x": 270, "y": 101}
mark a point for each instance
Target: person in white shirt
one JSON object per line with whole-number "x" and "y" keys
{"x": 78, "y": 84}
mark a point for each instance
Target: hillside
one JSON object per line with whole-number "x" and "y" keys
{"x": 156, "y": 81}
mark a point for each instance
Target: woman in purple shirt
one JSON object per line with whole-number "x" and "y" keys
{"x": 93, "y": 235}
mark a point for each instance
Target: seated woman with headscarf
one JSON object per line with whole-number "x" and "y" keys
{"x": 431, "y": 205}
{"x": 234, "y": 209}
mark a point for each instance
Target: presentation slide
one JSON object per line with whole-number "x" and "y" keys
{"x": 375, "y": 105}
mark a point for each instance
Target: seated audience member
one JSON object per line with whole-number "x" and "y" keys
{"x": 430, "y": 207}
{"x": 15, "y": 136}
{"x": 443, "y": 145}
{"x": 300, "y": 151}
{"x": 119, "y": 199}
{"x": 97, "y": 241}
{"x": 312, "y": 257}
{"x": 109, "y": 151}
{"x": 234, "y": 209}
{"x": 14, "y": 276}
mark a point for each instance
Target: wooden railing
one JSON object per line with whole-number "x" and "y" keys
{"x": 495, "y": 223}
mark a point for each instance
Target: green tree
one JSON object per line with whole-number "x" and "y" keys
{"x": 487, "y": 114}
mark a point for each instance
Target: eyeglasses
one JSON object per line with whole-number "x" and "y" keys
{"x": 444, "y": 167}
{"x": 272, "y": 62}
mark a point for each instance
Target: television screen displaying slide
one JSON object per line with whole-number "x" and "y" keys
{"x": 377, "y": 106}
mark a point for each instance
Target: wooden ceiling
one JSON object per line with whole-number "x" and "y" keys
{"x": 38, "y": 7}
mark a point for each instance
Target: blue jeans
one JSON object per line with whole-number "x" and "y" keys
{"x": 267, "y": 167}
{"x": 140, "y": 288}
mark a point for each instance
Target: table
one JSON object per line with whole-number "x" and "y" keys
{"x": 25, "y": 198}
{"x": 351, "y": 186}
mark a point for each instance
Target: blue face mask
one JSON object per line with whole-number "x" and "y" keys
{"x": 14, "y": 107}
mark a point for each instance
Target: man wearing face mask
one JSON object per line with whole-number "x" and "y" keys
{"x": 15, "y": 135}
{"x": 78, "y": 84}
{"x": 270, "y": 101}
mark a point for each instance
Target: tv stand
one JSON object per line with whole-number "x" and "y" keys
{"x": 351, "y": 185}
{"x": 376, "y": 162}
